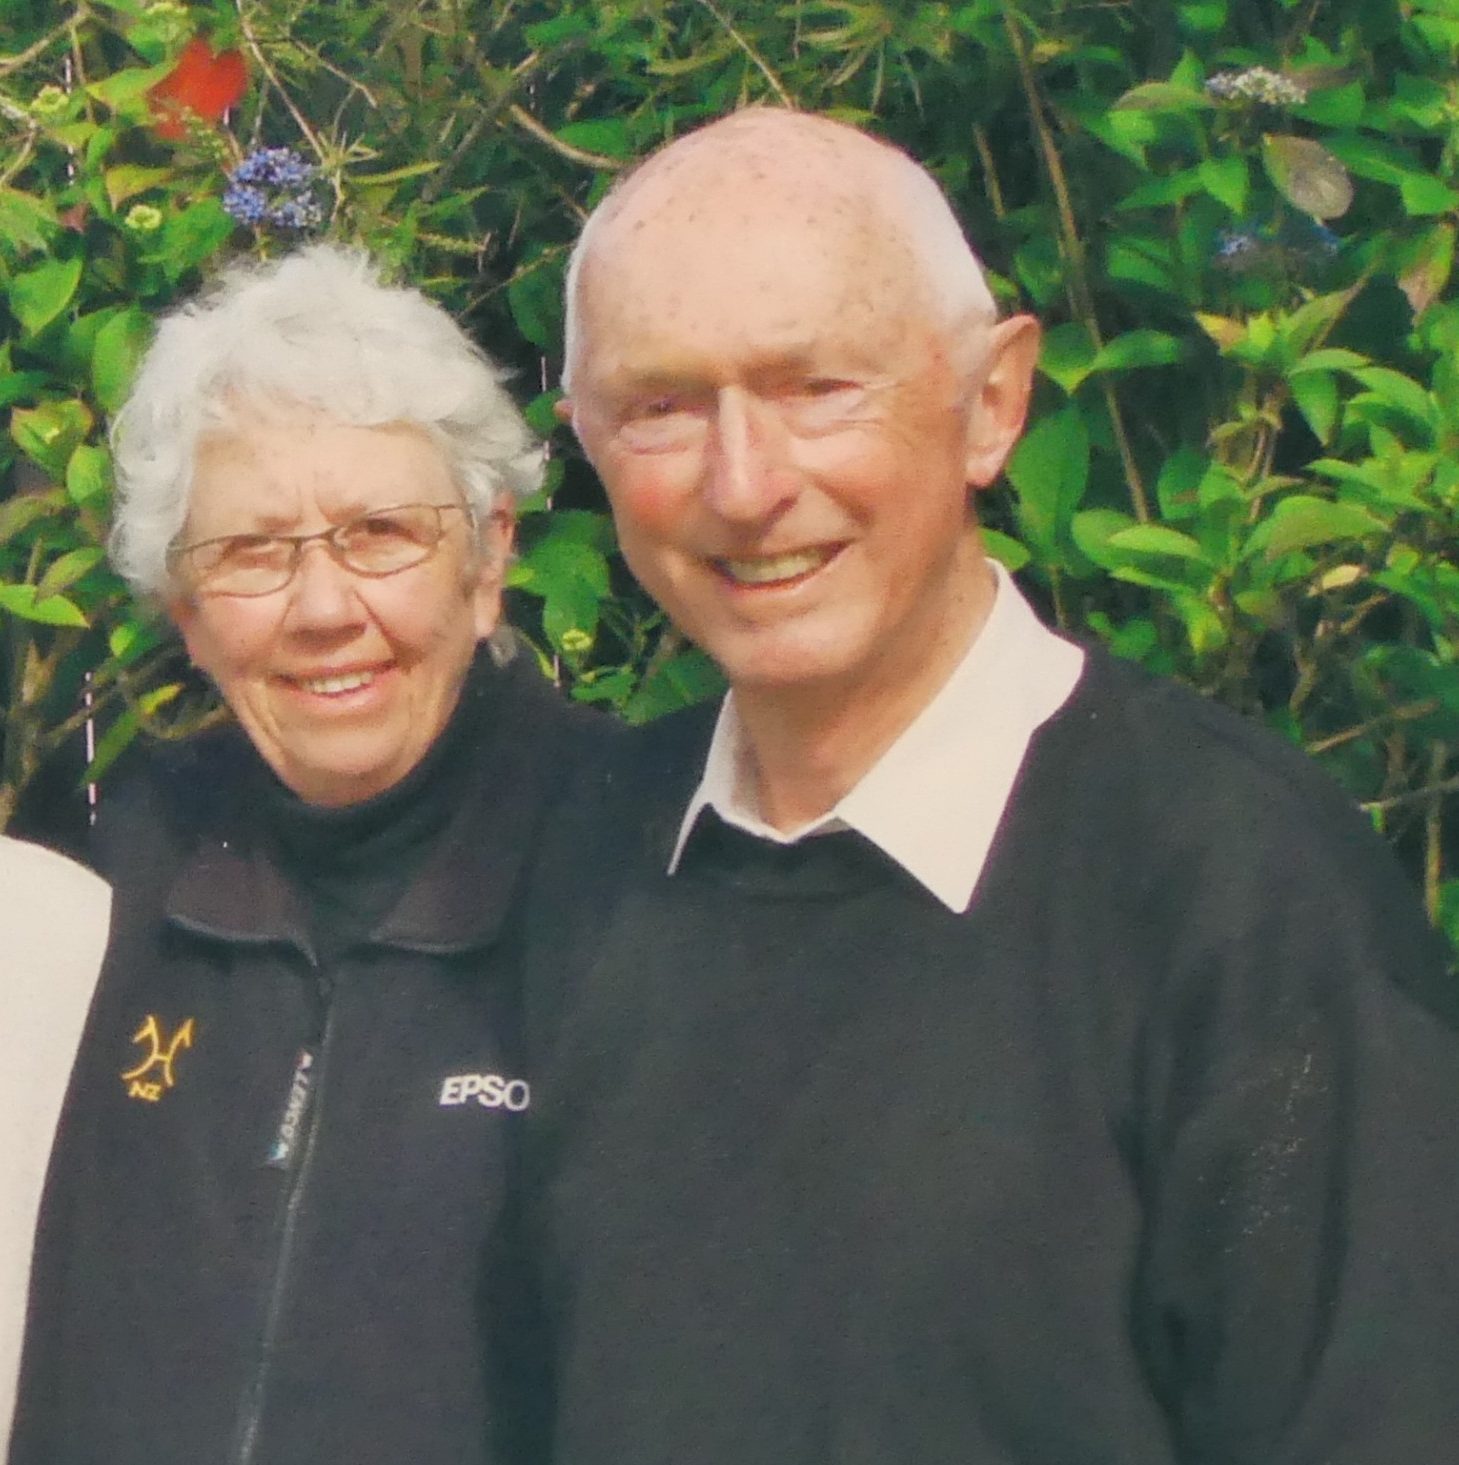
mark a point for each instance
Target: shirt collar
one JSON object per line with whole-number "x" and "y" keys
{"x": 933, "y": 801}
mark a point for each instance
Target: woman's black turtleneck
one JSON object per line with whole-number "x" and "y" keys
{"x": 351, "y": 864}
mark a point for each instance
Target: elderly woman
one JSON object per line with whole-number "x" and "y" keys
{"x": 285, "y": 1141}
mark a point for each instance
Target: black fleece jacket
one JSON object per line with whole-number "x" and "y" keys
{"x": 286, "y": 1142}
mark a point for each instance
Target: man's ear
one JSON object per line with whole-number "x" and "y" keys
{"x": 1001, "y": 387}
{"x": 494, "y": 552}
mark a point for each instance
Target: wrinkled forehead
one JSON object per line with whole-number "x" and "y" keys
{"x": 785, "y": 212}
{"x": 753, "y": 246}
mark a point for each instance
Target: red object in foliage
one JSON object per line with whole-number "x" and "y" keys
{"x": 202, "y": 83}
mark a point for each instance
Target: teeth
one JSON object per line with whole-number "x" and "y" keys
{"x": 765, "y": 569}
{"x": 347, "y": 683}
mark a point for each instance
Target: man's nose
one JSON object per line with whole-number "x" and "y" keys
{"x": 749, "y": 474}
{"x": 322, "y": 592}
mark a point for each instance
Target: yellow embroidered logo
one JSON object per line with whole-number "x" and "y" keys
{"x": 158, "y": 1062}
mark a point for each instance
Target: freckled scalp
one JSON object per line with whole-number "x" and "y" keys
{"x": 888, "y": 217}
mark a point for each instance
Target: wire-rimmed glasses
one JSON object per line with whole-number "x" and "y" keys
{"x": 375, "y": 543}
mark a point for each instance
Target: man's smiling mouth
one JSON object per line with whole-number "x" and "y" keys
{"x": 776, "y": 569}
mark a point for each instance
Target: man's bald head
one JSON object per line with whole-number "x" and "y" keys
{"x": 839, "y": 180}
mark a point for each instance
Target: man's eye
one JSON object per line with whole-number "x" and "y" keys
{"x": 821, "y": 403}
{"x": 656, "y": 408}
{"x": 661, "y": 423}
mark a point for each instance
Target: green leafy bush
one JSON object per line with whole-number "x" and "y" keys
{"x": 1236, "y": 220}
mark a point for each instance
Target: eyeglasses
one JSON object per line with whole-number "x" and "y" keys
{"x": 381, "y": 542}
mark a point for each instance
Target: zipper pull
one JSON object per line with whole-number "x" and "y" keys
{"x": 296, "y": 1110}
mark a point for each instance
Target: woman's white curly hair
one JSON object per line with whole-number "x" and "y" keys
{"x": 316, "y": 329}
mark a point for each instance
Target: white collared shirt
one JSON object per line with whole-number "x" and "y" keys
{"x": 934, "y": 799}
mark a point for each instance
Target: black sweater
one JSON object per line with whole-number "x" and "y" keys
{"x": 1146, "y": 1158}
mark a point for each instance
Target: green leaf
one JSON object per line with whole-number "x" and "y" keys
{"x": 1227, "y": 180}
{"x": 682, "y": 680}
{"x": 1139, "y": 348}
{"x": 1009, "y": 553}
{"x": 48, "y": 434}
{"x": 1302, "y": 522}
{"x": 1307, "y": 175}
{"x": 1204, "y": 629}
{"x": 569, "y": 573}
{"x": 1340, "y": 106}
{"x": 88, "y": 473}
{"x": 190, "y": 238}
{"x": 129, "y": 179}
{"x": 1423, "y": 196}
{"x": 26, "y": 222}
{"x": 1376, "y": 158}
{"x": 1310, "y": 320}
{"x": 40, "y": 295}
{"x": 127, "y": 88}
{"x": 545, "y": 34}
{"x": 1049, "y": 471}
{"x": 1092, "y": 529}
{"x": 1223, "y": 330}
{"x": 133, "y": 639}
{"x": 1315, "y": 393}
{"x": 1162, "y": 96}
{"x": 114, "y": 356}
{"x": 19, "y": 513}
{"x": 66, "y": 569}
{"x": 1159, "y": 193}
{"x": 1400, "y": 392}
{"x": 1157, "y": 539}
{"x": 1143, "y": 262}
{"x": 607, "y": 135}
{"x": 55, "y": 610}
{"x": 1178, "y": 486}
{"x": 1067, "y": 354}
{"x": 21, "y": 386}
{"x": 1329, "y": 358}
{"x": 535, "y": 300}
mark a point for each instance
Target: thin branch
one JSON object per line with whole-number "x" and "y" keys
{"x": 37, "y": 48}
{"x": 1361, "y": 612}
{"x": 300, "y": 120}
{"x": 991, "y": 186}
{"x": 1407, "y": 713}
{"x": 17, "y": 113}
{"x": 488, "y": 114}
{"x": 1081, "y": 296}
{"x": 786, "y": 100}
{"x": 1413, "y": 796}
{"x": 1434, "y": 835}
{"x": 528, "y": 123}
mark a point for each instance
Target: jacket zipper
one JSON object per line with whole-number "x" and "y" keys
{"x": 251, "y": 1411}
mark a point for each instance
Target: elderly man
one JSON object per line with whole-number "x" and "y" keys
{"x": 973, "y": 1050}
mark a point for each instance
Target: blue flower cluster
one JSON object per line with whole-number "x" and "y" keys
{"x": 1287, "y": 243}
{"x": 275, "y": 189}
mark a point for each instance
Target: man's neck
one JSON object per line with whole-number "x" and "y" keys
{"x": 806, "y": 747}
